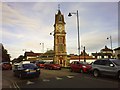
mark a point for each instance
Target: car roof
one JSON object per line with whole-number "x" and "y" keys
{"x": 114, "y": 59}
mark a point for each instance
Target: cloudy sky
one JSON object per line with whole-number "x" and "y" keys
{"x": 27, "y": 24}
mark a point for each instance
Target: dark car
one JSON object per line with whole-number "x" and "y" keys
{"x": 26, "y": 70}
{"x": 106, "y": 67}
{"x": 51, "y": 65}
{"x": 6, "y": 66}
{"x": 40, "y": 64}
{"x": 78, "y": 66}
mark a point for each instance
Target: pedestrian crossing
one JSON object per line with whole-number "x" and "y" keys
{"x": 48, "y": 80}
{"x": 59, "y": 78}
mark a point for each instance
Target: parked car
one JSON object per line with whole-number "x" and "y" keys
{"x": 51, "y": 65}
{"x": 6, "y": 66}
{"x": 106, "y": 67}
{"x": 78, "y": 66}
{"x": 40, "y": 64}
{"x": 26, "y": 70}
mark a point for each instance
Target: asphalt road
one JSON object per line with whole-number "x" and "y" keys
{"x": 59, "y": 79}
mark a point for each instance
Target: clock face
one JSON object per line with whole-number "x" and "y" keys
{"x": 60, "y": 27}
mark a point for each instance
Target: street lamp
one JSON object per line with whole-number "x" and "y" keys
{"x": 42, "y": 47}
{"x": 70, "y": 14}
{"x": 110, "y": 40}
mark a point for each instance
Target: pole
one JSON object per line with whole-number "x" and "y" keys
{"x": 78, "y": 35}
{"x": 84, "y": 55}
{"x": 43, "y": 47}
{"x": 111, "y": 42}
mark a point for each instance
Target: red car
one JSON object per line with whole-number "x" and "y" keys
{"x": 40, "y": 64}
{"x": 77, "y": 66}
{"x": 51, "y": 65}
{"x": 6, "y": 66}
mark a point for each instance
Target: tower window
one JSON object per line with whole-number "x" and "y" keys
{"x": 60, "y": 18}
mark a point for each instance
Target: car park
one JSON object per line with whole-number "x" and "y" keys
{"x": 78, "y": 66}
{"x": 109, "y": 67}
{"x": 51, "y": 65}
{"x": 6, "y": 66}
{"x": 26, "y": 70}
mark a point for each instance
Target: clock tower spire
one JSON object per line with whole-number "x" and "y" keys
{"x": 60, "y": 56}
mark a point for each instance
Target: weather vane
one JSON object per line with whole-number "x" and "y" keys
{"x": 58, "y": 6}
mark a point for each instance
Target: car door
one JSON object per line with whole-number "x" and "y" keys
{"x": 106, "y": 68}
{"x": 110, "y": 68}
{"x": 77, "y": 66}
{"x": 72, "y": 65}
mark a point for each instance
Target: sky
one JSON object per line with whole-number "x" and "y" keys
{"x": 27, "y": 24}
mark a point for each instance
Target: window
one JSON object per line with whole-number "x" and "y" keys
{"x": 29, "y": 66}
{"x": 60, "y": 18}
{"x": 97, "y": 62}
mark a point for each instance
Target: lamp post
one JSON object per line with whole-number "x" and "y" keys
{"x": 24, "y": 51}
{"x": 110, "y": 40}
{"x": 70, "y": 14}
{"x": 42, "y": 47}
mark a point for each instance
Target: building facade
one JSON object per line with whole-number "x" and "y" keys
{"x": 117, "y": 53}
{"x": 31, "y": 56}
{"x": 60, "y": 54}
{"x": 104, "y": 53}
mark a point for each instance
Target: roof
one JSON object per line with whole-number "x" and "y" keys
{"x": 57, "y": 17}
{"x": 102, "y": 54}
{"x": 117, "y": 48}
{"x": 81, "y": 57}
{"x": 32, "y": 54}
{"x": 106, "y": 49}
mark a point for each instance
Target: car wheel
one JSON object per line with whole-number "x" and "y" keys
{"x": 96, "y": 73}
{"x": 118, "y": 76}
{"x": 38, "y": 76}
{"x": 71, "y": 70}
{"x": 59, "y": 68}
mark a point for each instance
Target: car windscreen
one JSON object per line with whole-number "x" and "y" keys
{"x": 117, "y": 62}
{"x": 29, "y": 66}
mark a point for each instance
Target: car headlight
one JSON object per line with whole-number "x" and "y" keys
{"x": 27, "y": 70}
{"x": 84, "y": 66}
{"x": 38, "y": 69}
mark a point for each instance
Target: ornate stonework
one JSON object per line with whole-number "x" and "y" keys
{"x": 60, "y": 56}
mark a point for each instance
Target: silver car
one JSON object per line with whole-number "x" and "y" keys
{"x": 106, "y": 67}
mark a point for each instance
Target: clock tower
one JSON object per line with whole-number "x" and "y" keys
{"x": 60, "y": 56}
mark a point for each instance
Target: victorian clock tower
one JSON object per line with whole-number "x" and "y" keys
{"x": 60, "y": 56}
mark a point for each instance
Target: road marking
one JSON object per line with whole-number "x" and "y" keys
{"x": 29, "y": 82}
{"x": 58, "y": 78}
{"x": 46, "y": 80}
{"x": 15, "y": 85}
{"x": 70, "y": 76}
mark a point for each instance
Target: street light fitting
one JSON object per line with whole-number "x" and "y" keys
{"x": 51, "y": 32}
{"x": 69, "y": 14}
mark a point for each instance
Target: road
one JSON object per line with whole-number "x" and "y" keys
{"x": 59, "y": 79}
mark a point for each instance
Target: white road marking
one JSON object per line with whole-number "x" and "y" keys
{"x": 46, "y": 80}
{"x": 70, "y": 76}
{"x": 17, "y": 85}
{"x": 58, "y": 78}
{"x": 29, "y": 82}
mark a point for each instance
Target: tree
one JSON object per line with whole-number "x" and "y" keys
{"x": 5, "y": 55}
{"x": 19, "y": 59}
